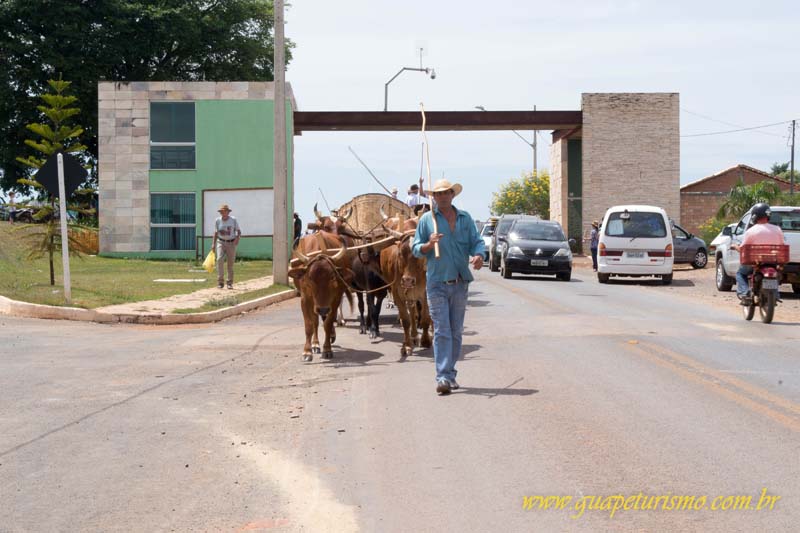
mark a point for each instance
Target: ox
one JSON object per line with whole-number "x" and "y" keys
{"x": 408, "y": 278}
{"x": 367, "y": 278}
{"x": 322, "y": 280}
{"x": 393, "y": 223}
{"x": 335, "y": 224}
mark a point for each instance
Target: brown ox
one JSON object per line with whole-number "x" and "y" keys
{"x": 393, "y": 223}
{"x": 407, "y": 276}
{"x": 322, "y": 280}
{"x": 335, "y": 224}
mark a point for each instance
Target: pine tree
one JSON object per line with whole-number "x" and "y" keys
{"x": 55, "y": 134}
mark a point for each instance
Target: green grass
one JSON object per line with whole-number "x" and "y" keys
{"x": 101, "y": 281}
{"x": 229, "y": 301}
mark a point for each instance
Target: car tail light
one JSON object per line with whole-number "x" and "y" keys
{"x": 657, "y": 253}
{"x": 602, "y": 250}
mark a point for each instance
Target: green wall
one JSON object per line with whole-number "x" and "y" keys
{"x": 575, "y": 190}
{"x": 234, "y": 150}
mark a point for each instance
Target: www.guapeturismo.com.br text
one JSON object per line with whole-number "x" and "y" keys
{"x": 614, "y": 503}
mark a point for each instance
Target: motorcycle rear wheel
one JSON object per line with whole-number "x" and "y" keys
{"x": 766, "y": 306}
{"x": 748, "y": 311}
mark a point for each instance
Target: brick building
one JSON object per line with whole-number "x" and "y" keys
{"x": 701, "y": 199}
{"x": 626, "y": 151}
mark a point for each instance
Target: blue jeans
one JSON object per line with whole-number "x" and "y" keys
{"x": 447, "y": 304}
{"x": 742, "y": 285}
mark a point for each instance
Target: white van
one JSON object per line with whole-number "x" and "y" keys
{"x": 635, "y": 240}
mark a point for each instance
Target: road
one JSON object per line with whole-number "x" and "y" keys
{"x": 596, "y": 393}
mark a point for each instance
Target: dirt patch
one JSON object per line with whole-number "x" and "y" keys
{"x": 700, "y": 286}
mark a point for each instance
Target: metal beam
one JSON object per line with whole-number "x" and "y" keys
{"x": 436, "y": 120}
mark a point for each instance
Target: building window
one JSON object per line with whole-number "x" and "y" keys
{"x": 172, "y": 136}
{"x": 172, "y": 221}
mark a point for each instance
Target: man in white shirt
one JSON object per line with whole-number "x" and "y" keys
{"x": 226, "y": 237}
{"x": 414, "y": 196}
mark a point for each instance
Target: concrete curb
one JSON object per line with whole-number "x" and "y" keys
{"x": 14, "y": 308}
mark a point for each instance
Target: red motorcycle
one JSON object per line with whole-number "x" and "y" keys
{"x": 767, "y": 261}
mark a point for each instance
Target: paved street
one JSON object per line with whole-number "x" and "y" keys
{"x": 568, "y": 389}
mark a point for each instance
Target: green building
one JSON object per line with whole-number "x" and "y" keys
{"x": 171, "y": 152}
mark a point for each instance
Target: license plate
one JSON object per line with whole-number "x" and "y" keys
{"x": 635, "y": 255}
{"x": 539, "y": 262}
{"x": 769, "y": 284}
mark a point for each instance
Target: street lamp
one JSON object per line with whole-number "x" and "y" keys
{"x": 531, "y": 144}
{"x": 429, "y": 71}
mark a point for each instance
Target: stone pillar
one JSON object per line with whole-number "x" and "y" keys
{"x": 559, "y": 181}
{"x": 631, "y": 152}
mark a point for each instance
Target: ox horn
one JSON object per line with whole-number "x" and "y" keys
{"x": 340, "y": 254}
{"x": 317, "y": 213}
{"x": 347, "y": 215}
{"x": 393, "y": 233}
{"x": 383, "y": 214}
{"x": 301, "y": 256}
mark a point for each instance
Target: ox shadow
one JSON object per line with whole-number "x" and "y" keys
{"x": 350, "y": 357}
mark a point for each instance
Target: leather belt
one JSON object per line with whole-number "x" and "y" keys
{"x": 451, "y": 282}
{"x": 224, "y": 240}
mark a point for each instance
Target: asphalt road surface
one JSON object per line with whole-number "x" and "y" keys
{"x": 639, "y": 408}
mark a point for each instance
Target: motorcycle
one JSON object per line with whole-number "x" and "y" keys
{"x": 767, "y": 261}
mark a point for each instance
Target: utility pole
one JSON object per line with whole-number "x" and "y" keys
{"x": 535, "y": 173}
{"x": 791, "y": 170}
{"x": 280, "y": 216}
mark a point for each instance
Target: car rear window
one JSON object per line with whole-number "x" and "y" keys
{"x": 786, "y": 220}
{"x": 504, "y": 225}
{"x": 636, "y": 224}
{"x": 538, "y": 232}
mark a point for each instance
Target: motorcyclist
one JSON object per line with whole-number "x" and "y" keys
{"x": 761, "y": 232}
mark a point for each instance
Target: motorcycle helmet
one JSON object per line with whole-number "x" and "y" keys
{"x": 760, "y": 210}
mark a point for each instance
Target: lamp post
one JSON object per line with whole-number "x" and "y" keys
{"x": 429, "y": 71}
{"x": 515, "y": 132}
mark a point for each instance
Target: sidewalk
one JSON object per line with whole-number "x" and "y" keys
{"x": 156, "y": 312}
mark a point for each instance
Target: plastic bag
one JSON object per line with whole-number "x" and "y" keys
{"x": 211, "y": 262}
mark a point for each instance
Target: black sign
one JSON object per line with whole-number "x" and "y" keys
{"x": 74, "y": 174}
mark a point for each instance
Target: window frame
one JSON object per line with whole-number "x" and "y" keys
{"x": 177, "y": 144}
{"x": 174, "y": 225}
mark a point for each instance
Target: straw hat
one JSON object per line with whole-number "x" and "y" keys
{"x": 595, "y": 224}
{"x": 444, "y": 185}
{"x": 223, "y": 207}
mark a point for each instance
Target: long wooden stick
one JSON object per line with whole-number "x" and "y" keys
{"x": 430, "y": 183}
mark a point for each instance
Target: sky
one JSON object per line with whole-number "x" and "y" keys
{"x": 733, "y": 62}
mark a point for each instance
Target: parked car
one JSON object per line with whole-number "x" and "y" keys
{"x": 727, "y": 259}
{"x": 722, "y": 237}
{"x": 486, "y": 233}
{"x": 534, "y": 246}
{"x": 636, "y": 240}
{"x": 499, "y": 237}
{"x": 688, "y": 248}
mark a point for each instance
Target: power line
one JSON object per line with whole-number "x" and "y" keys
{"x": 730, "y": 123}
{"x": 735, "y": 131}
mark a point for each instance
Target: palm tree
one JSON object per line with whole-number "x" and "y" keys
{"x": 779, "y": 168}
{"x": 742, "y": 197}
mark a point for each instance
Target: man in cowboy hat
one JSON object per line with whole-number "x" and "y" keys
{"x": 448, "y": 276}
{"x": 226, "y": 237}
